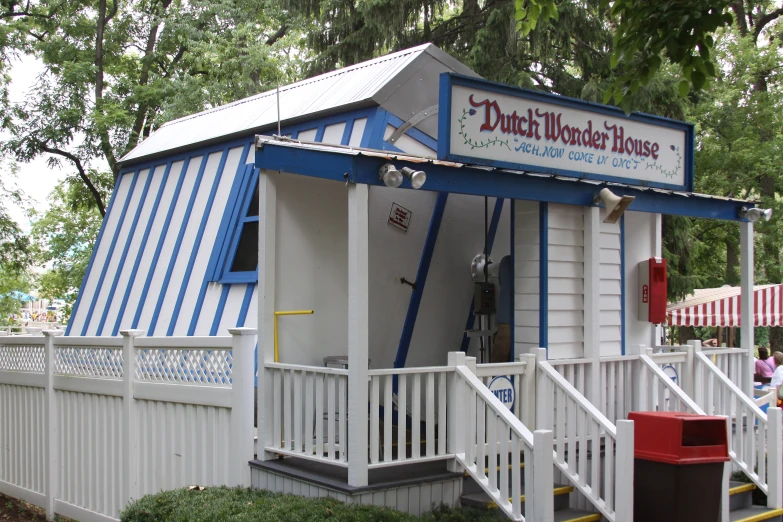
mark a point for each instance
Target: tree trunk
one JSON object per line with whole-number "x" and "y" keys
{"x": 732, "y": 261}
{"x": 775, "y": 339}
{"x": 685, "y": 334}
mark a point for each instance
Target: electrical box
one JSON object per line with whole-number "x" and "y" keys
{"x": 483, "y": 298}
{"x": 652, "y": 290}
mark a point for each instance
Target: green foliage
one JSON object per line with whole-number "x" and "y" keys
{"x": 64, "y": 236}
{"x": 217, "y": 504}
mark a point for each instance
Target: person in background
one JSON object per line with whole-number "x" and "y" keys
{"x": 764, "y": 367}
{"x": 501, "y": 344}
{"x": 777, "y": 377}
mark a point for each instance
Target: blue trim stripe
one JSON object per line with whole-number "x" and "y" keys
{"x": 124, "y": 255}
{"x": 245, "y": 305}
{"x": 623, "y": 304}
{"x": 369, "y": 129}
{"x": 421, "y": 280}
{"x": 319, "y": 134}
{"x": 228, "y": 226}
{"x": 175, "y": 253}
{"x": 413, "y": 132}
{"x": 197, "y": 244}
{"x": 220, "y": 240}
{"x": 161, "y": 241}
{"x": 92, "y": 257}
{"x": 512, "y": 235}
{"x": 219, "y": 311}
{"x": 347, "y": 131}
{"x": 109, "y": 254}
{"x": 543, "y": 276}
{"x": 142, "y": 246}
{"x": 493, "y": 228}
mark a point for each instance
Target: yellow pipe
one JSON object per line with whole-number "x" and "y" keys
{"x": 290, "y": 312}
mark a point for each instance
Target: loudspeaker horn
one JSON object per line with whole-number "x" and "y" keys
{"x": 615, "y": 205}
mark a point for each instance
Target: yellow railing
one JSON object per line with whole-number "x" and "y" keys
{"x": 290, "y": 312}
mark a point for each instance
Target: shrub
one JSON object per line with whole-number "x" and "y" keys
{"x": 237, "y": 504}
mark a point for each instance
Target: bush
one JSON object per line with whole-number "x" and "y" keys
{"x": 237, "y": 504}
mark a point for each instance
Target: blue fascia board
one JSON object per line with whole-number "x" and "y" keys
{"x": 447, "y": 80}
{"x": 421, "y": 280}
{"x": 543, "y": 276}
{"x": 476, "y": 181}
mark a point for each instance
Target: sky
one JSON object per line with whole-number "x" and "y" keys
{"x": 36, "y": 179}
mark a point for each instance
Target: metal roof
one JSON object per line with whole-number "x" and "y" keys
{"x": 356, "y": 151}
{"x": 367, "y": 83}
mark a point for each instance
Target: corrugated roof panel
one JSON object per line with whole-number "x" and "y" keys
{"x": 344, "y": 87}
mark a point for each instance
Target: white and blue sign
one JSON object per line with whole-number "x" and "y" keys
{"x": 502, "y": 387}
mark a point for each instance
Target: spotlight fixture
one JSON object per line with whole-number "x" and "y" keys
{"x": 754, "y": 214}
{"x": 417, "y": 177}
{"x": 390, "y": 176}
{"x": 615, "y": 205}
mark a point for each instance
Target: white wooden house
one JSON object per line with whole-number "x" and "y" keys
{"x": 217, "y": 228}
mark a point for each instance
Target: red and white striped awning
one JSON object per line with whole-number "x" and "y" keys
{"x": 721, "y": 307}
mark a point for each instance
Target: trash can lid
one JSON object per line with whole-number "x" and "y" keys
{"x": 679, "y": 438}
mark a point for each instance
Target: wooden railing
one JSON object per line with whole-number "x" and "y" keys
{"x": 309, "y": 410}
{"x": 486, "y": 434}
{"x": 522, "y": 373}
{"x": 755, "y": 438}
{"x": 659, "y": 392}
{"x": 580, "y": 429}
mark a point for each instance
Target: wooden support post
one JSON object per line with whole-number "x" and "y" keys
{"x": 528, "y": 391}
{"x": 624, "y": 471}
{"x": 130, "y": 455}
{"x": 267, "y": 223}
{"x": 52, "y": 435}
{"x": 747, "y": 311}
{"x": 688, "y": 369}
{"x": 592, "y": 301}
{"x": 358, "y": 332}
{"x": 775, "y": 458}
{"x": 641, "y": 393}
{"x": 243, "y": 345}
{"x": 455, "y": 416}
{"x": 543, "y": 464}
{"x": 543, "y": 386}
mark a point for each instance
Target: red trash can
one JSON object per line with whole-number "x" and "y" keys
{"x": 678, "y": 466}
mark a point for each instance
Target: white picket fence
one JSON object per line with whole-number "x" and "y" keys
{"x": 87, "y": 423}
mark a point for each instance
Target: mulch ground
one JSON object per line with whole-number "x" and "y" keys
{"x": 13, "y": 510}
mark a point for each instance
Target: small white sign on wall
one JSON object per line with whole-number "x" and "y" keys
{"x": 502, "y": 387}
{"x": 400, "y": 217}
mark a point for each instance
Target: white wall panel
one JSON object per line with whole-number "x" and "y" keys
{"x": 611, "y": 288}
{"x": 111, "y": 222}
{"x": 22, "y": 437}
{"x": 209, "y": 309}
{"x": 133, "y": 251}
{"x": 189, "y": 242}
{"x": 209, "y": 236}
{"x": 526, "y": 273}
{"x": 566, "y": 281}
{"x": 357, "y": 132}
{"x": 90, "y": 449}
{"x": 166, "y": 252}
{"x": 182, "y": 444}
{"x": 231, "y": 310}
{"x": 252, "y": 312}
{"x": 148, "y": 256}
{"x": 113, "y": 263}
{"x": 307, "y": 135}
{"x": 639, "y": 240}
{"x": 333, "y": 134}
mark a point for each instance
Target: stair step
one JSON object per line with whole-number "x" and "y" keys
{"x": 740, "y": 488}
{"x": 576, "y": 515}
{"x": 481, "y": 499}
{"x": 755, "y": 514}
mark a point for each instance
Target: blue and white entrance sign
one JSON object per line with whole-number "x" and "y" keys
{"x": 502, "y": 387}
{"x": 487, "y": 123}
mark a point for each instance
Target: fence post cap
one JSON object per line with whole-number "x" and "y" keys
{"x": 52, "y": 333}
{"x": 456, "y": 358}
{"x": 540, "y": 354}
{"x": 131, "y": 333}
{"x": 242, "y": 331}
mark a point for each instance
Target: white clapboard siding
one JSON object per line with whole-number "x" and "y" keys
{"x": 526, "y": 271}
{"x": 611, "y": 288}
{"x": 566, "y": 281}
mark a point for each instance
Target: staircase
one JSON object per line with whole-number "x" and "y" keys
{"x": 474, "y": 496}
{"x": 741, "y": 508}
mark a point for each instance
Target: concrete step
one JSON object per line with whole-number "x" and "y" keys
{"x": 481, "y": 500}
{"x": 576, "y": 515}
{"x": 756, "y": 514}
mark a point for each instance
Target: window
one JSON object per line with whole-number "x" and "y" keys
{"x": 238, "y": 261}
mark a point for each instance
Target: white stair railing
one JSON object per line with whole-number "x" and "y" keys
{"x": 485, "y": 434}
{"x": 658, "y": 392}
{"x": 582, "y": 437}
{"x": 756, "y": 440}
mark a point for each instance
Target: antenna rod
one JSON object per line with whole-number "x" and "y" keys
{"x": 278, "y": 110}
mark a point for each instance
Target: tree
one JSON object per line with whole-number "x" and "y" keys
{"x": 114, "y": 71}
{"x": 64, "y": 236}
